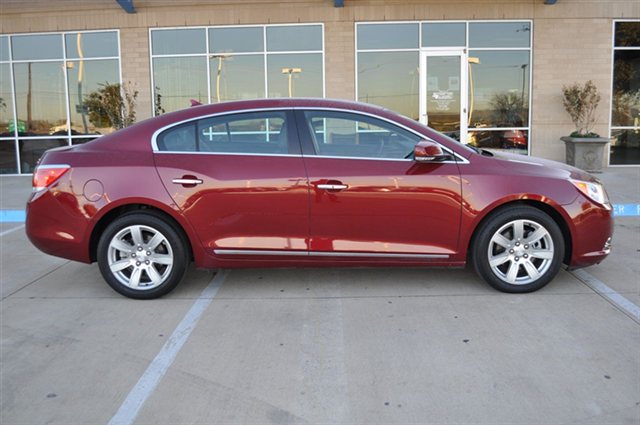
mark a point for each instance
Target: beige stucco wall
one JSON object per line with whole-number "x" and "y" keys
{"x": 571, "y": 39}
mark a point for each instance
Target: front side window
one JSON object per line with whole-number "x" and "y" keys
{"x": 343, "y": 134}
{"x": 245, "y": 133}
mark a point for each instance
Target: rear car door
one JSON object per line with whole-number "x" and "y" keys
{"x": 240, "y": 180}
{"x": 368, "y": 197}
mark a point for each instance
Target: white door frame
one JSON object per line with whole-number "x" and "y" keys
{"x": 464, "y": 83}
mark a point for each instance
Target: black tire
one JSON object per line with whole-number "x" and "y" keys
{"x": 523, "y": 269}
{"x": 157, "y": 270}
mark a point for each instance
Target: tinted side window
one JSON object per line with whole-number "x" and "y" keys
{"x": 255, "y": 132}
{"x": 360, "y": 136}
{"x": 178, "y": 139}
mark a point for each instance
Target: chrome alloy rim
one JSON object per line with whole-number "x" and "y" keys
{"x": 520, "y": 252}
{"x": 140, "y": 257}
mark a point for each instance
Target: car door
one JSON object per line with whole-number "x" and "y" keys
{"x": 368, "y": 197}
{"x": 240, "y": 180}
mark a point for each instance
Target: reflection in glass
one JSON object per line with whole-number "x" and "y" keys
{"x": 32, "y": 150}
{"x": 499, "y": 96}
{"x": 40, "y": 98}
{"x": 236, "y": 77}
{"x": 388, "y": 36}
{"x": 625, "y": 147}
{"x": 177, "y": 81}
{"x": 91, "y": 44}
{"x": 85, "y": 77}
{"x": 6, "y": 108}
{"x": 181, "y": 42}
{"x": 8, "y": 163}
{"x": 390, "y": 79}
{"x": 499, "y": 34}
{"x": 82, "y": 140}
{"x": 443, "y": 93}
{"x": 242, "y": 39}
{"x": 515, "y": 141}
{"x": 626, "y": 88}
{"x": 437, "y": 34}
{"x": 4, "y": 48}
{"x": 45, "y": 46}
{"x": 294, "y": 38}
{"x": 295, "y": 75}
{"x": 627, "y": 34}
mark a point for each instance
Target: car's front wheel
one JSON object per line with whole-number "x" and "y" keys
{"x": 518, "y": 249}
{"x": 142, "y": 256}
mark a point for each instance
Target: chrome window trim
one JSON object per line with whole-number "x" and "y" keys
{"x": 154, "y": 144}
{"x": 326, "y": 254}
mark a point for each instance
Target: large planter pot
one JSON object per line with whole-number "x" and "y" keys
{"x": 586, "y": 153}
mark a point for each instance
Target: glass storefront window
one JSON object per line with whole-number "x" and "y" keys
{"x": 240, "y": 64}
{"x": 489, "y": 63}
{"x": 228, "y": 40}
{"x": 388, "y": 36}
{"x": 625, "y": 103}
{"x": 84, "y": 79}
{"x": 180, "y": 41}
{"x": 40, "y": 46}
{"x": 499, "y": 88}
{"x": 177, "y": 81}
{"x": 40, "y": 97}
{"x": 4, "y": 49}
{"x": 390, "y": 79}
{"x": 499, "y": 34}
{"x": 294, "y": 38}
{"x": 438, "y": 34}
{"x": 295, "y": 75}
{"x": 234, "y": 77}
{"x": 50, "y": 108}
{"x": 91, "y": 45}
{"x": 6, "y": 108}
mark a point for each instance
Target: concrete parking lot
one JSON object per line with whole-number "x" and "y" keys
{"x": 361, "y": 346}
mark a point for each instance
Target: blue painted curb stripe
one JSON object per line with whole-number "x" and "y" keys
{"x": 12, "y": 216}
{"x": 619, "y": 210}
{"x": 626, "y": 210}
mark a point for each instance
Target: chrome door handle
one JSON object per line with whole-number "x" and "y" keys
{"x": 332, "y": 186}
{"x": 186, "y": 181}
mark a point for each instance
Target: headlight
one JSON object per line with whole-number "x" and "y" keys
{"x": 593, "y": 191}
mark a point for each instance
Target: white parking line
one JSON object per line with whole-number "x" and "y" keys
{"x": 151, "y": 377}
{"x": 6, "y": 232}
{"x": 626, "y": 306}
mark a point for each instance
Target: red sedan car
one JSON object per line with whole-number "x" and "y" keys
{"x": 309, "y": 182}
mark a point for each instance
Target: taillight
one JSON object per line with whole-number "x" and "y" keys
{"x": 45, "y": 175}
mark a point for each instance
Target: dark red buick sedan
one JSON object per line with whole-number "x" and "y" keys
{"x": 309, "y": 182}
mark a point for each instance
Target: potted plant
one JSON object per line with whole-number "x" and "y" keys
{"x": 584, "y": 148}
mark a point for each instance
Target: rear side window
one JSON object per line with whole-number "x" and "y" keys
{"x": 178, "y": 139}
{"x": 263, "y": 132}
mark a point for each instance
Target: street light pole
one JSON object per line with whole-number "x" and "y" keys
{"x": 290, "y": 72}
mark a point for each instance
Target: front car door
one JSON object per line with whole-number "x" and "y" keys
{"x": 240, "y": 180}
{"x": 368, "y": 197}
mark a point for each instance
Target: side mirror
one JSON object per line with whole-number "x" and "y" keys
{"x": 428, "y": 151}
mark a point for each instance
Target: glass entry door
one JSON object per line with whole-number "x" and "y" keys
{"x": 443, "y": 92}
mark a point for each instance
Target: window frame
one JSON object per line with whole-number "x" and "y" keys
{"x": 70, "y": 139}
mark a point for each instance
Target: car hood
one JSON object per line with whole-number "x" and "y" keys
{"x": 541, "y": 167}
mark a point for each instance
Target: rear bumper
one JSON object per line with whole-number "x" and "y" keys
{"x": 55, "y": 225}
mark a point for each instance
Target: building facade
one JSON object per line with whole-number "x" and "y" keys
{"x": 486, "y": 72}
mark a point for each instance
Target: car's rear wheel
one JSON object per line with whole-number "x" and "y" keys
{"x": 142, "y": 256}
{"x": 518, "y": 249}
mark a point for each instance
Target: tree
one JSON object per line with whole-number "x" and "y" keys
{"x": 112, "y": 105}
{"x": 580, "y": 102}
